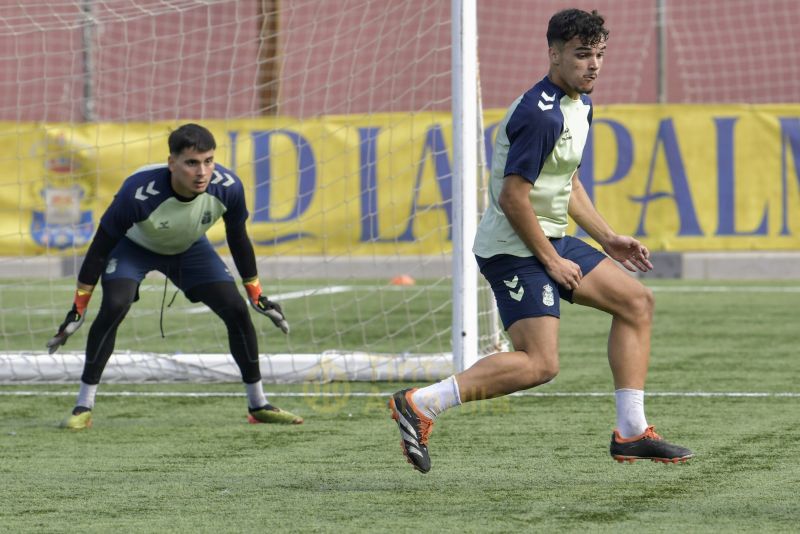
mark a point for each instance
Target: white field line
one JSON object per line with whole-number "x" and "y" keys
{"x": 345, "y": 393}
{"x": 726, "y": 289}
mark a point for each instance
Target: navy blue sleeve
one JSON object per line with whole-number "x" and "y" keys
{"x": 96, "y": 257}
{"x": 135, "y": 200}
{"x": 119, "y": 216}
{"x": 244, "y": 257}
{"x": 230, "y": 190}
{"x": 532, "y": 135}
{"x": 231, "y": 194}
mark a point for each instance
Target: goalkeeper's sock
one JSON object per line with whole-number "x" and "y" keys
{"x": 630, "y": 412}
{"x": 255, "y": 395}
{"x": 86, "y": 395}
{"x": 436, "y": 398}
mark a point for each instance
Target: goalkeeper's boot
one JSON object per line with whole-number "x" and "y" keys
{"x": 79, "y": 419}
{"x": 414, "y": 429}
{"x": 647, "y": 446}
{"x": 273, "y": 415}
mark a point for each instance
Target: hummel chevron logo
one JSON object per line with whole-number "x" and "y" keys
{"x": 546, "y": 98}
{"x": 513, "y": 283}
{"x": 218, "y": 177}
{"x": 140, "y": 191}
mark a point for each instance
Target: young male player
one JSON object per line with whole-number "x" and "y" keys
{"x": 523, "y": 251}
{"x": 158, "y": 221}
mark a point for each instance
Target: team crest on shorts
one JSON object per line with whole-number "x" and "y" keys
{"x": 112, "y": 266}
{"x": 548, "y": 298}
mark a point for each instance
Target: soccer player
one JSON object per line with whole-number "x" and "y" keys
{"x": 523, "y": 251}
{"x": 158, "y": 221}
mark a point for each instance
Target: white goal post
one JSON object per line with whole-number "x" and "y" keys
{"x": 466, "y": 146}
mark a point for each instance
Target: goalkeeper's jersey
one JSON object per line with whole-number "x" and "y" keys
{"x": 541, "y": 138}
{"x": 147, "y": 211}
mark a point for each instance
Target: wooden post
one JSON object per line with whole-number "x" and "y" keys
{"x": 268, "y": 82}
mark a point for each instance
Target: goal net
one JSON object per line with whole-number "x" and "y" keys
{"x": 335, "y": 114}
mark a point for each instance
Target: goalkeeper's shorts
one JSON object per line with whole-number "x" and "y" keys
{"x": 522, "y": 287}
{"x": 200, "y": 264}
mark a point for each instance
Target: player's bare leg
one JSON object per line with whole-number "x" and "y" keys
{"x": 533, "y": 362}
{"x": 631, "y": 306}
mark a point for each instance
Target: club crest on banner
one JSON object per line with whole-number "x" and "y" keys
{"x": 62, "y": 221}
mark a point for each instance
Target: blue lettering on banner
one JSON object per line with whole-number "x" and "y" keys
{"x": 726, "y": 180}
{"x": 368, "y": 177}
{"x": 435, "y": 146}
{"x": 233, "y": 135}
{"x": 688, "y": 225}
{"x": 624, "y": 143}
{"x": 790, "y": 134}
{"x": 307, "y": 181}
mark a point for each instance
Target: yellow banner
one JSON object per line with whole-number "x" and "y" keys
{"x": 689, "y": 178}
{"x": 680, "y": 178}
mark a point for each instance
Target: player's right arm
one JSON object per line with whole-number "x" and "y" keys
{"x": 93, "y": 264}
{"x": 113, "y": 224}
{"x": 513, "y": 200}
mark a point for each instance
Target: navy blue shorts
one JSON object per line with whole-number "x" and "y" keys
{"x": 522, "y": 287}
{"x": 199, "y": 265}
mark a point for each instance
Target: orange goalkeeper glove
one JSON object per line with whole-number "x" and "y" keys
{"x": 264, "y": 306}
{"x": 72, "y": 321}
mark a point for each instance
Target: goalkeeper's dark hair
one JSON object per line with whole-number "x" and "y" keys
{"x": 570, "y": 23}
{"x": 191, "y": 136}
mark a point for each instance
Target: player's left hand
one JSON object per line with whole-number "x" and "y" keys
{"x": 273, "y": 311}
{"x": 264, "y": 306}
{"x": 629, "y": 252}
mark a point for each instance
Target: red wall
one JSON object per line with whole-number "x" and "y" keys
{"x": 353, "y": 56}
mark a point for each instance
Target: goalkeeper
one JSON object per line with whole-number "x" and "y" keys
{"x": 158, "y": 221}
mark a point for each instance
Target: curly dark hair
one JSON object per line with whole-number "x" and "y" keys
{"x": 569, "y": 23}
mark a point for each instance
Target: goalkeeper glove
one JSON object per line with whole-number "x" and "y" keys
{"x": 265, "y": 306}
{"x": 72, "y": 321}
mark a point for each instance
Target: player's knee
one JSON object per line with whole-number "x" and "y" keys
{"x": 646, "y": 303}
{"x": 548, "y": 372}
{"x": 640, "y": 306}
{"x": 539, "y": 371}
{"x": 115, "y": 305}
{"x": 235, "y": 313}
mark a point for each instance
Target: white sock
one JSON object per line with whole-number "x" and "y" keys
{"x": 255, "y": 395}
{"x": 630, "y": 412}
{"x": 436, "y": 398}
{"x": 86, "y": 395}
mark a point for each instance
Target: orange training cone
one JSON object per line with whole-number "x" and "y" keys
{"x": 402, "y": 280}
